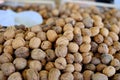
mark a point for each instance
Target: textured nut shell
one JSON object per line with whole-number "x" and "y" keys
{"x": 43, "y": 75}
{"x": 99, "y": 76}
{"x": 54, "y": 74}
{"x": 18, "y": 42}
{"x": 7, "y": 68}
{"x": 30, "y": 74}
{"x": 22, "y": 52}
{"x": 109, "y": 71}
{"x": 20, "y": 63}
{"x": 51, "y": 35}
{"x": 61, "y": 51}
{"x": 66, "y": 76}
{"x": 38, "y": 54}
{"x": 62, "y": 41}
{"x": 15, "y": 76}
{"x": 34, "y": 42}
{"x": 35, "y": 65}
{"x": 60, "y": 63}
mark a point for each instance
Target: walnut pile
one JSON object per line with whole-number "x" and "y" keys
{"x": 73, "y": 43}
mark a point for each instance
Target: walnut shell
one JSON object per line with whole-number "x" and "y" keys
{"x": 60, "y": 63}
{"x": 20, "y": 63}
{"x": 30, "y": 74}
{"x": 8, "y": 68}
{"x": 15, "y": 76}
{"x": 18, "y": 42}
{"x": 61, "y": 51}
{"x": 38, "y": 54}
{"x": 54, "y": 74}
{"x": 34, "y": 42}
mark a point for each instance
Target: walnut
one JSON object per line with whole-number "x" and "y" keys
{"x": 77, "y": 30}
{"x": 115, "y": 28}
{"x": 60, "y": 63}
{"x": 61, "y": 51}
{"x": 86, "y": 58}
{"x": 30, "y": 35}
{"x": 67, "y": 76}
{"x": 2, "y": 76}
{"x": 8, "y": 42}
{"x": 115, "y": 63}
{"x": 15, "y": 76}
{"x": 77, "y": 76}
{"x": 99, "y": 76}
{"x": 69, "y": 58}
{"x": 69, "y": 35}
{"x": 78, "y": 39}
{"x": 54, "y": 74}
{"x": 69, "y": 68}
{"x": 106, "y": 58}
{"x": 85, "y": 47}
{"x": 116, "y": 77}
{"x": 94, "y": 31}
{"x": 116, "y": 45}
{"x": 22, "y": 52}
{"x": 30, "y": 74}
{"x": 86, "y": 32}
{"x": 20, "y": 63}
{"x": 49, "y": 66}
{"x": 73, "y": 47}
{"x": 46, "y": 45}
{"x": 108, "y": 40}
{"x": 109, "y": 71}
{"x": 80, "y": 25}
{"x": 60, "y": 22}
{"x": 86, "y": 39}
{"x": 90, "y": 67}
{"x": 7, "y": 68}
{"x": 9, "y": 34}
{"x": 78, "y": 57}
{"x": 42, "y": 35}
{"x": 34, "y": 42}
{"x": 103, "y": 48}
{"x": 99, "y": 38}
{"x": 35, "y": 65}
{"x": 87, "y": 74}
{"x": 112, "y": 50}
{"x": 62, "y": 41}
{"x": 77, "y": 67}
{"x": 70, "y": 20}
{"x": 94, "y": 46}
{"x": 43, "y": 75}
{"x": 114, "y": 36}
{"x": 77, "y": 16}
{"x": 88, "y": 22}
{"x": 52, "y": 37}
{"x": 50, "y": 54}
{"x": 55, "y": 12}
{"x": 100, "y": 67}
{"x": 57, "y": 29}
{"x": 104, "y": 31}
{"x": 36, "y": 29}
{"x": 20, "y": 35}
{"x": 8, "y": 49}
{"x": 5, "y": 57}
{"x": 68, "y": 27}
{"x": 95, "y": 61}
{"x": 38, "y": 54}
{"x": 18, "y": 42}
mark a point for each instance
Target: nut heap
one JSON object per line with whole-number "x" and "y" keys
{"x": 73, "y": 43}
